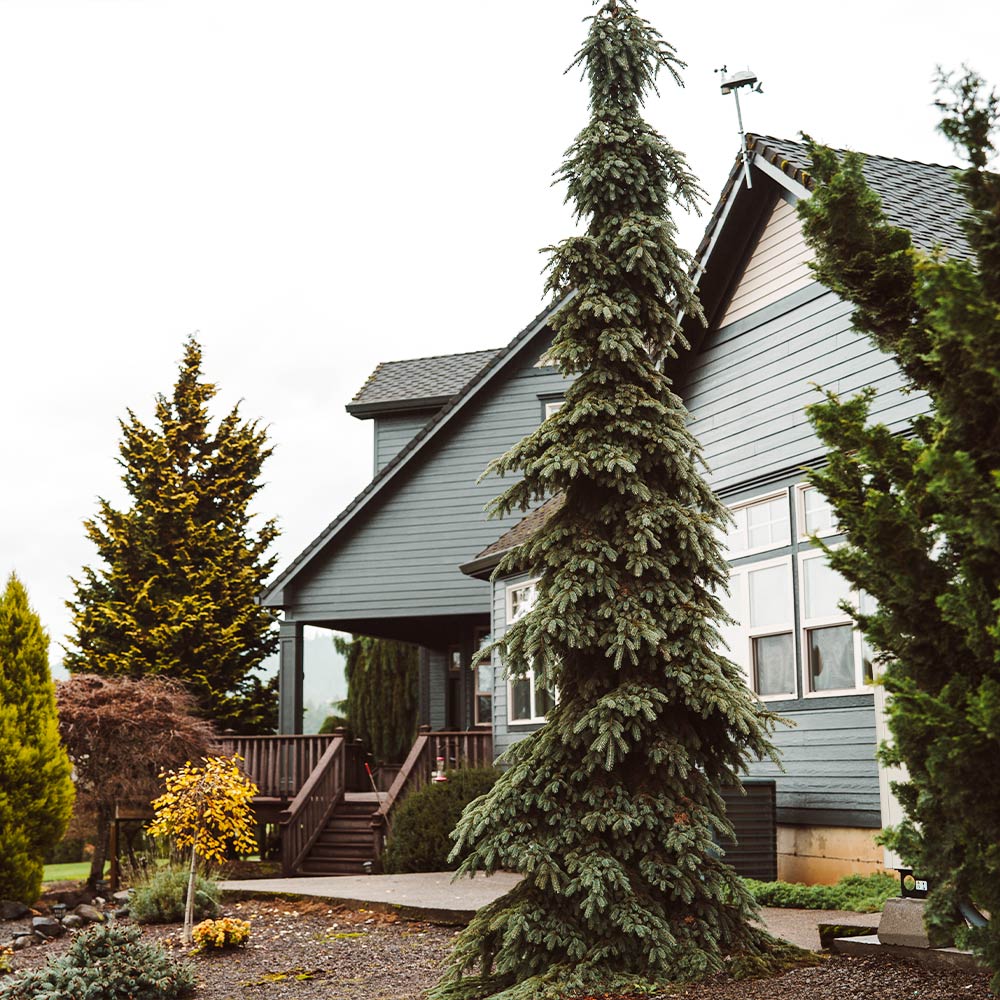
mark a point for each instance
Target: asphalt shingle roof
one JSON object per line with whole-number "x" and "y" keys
{"x": 426, "y": 380}
{"x": 920, "y": 197}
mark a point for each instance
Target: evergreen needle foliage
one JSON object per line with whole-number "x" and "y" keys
{"x": 184, "y": 564}
{"x": 36, "y": 792}
{"x": 381, "y": 700}
{"x": 922, "y": 511}
{"x": 611, "y": 809}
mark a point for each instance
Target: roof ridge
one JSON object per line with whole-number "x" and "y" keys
{"x": 438, "y": 357}
{"x": 868, "y": 156}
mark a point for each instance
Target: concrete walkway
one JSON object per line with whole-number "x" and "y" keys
{"x": 434, "y": 896}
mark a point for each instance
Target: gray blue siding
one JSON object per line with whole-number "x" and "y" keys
{"x": 830, "y": 776}
{"x": 747, "y": 389}
{"x": 401, "y": 559}
{"x": 393, "y": 432}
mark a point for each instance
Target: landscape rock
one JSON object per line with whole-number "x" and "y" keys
{"x": 73, "y": 922}
{"x": 123, "y": 896}
{"x": 47, "y": 927}
{"x": 23, "y": 941}
{"x": 121, "y": 912}
{"x": 89, "y": 913}
{"x": 12, "y": 910}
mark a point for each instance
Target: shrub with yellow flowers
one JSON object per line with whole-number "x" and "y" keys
{"x": 207, "y": 809}
{"x": 226, "y": 932}
{"x": 5, "y": 963}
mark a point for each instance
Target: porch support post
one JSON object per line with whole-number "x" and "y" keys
{"x": 290, "y": 677}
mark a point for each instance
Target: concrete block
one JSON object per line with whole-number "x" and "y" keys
{"x": 902, "y": 923}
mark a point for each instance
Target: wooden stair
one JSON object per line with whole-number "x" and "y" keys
{"x": 345, "y": 843}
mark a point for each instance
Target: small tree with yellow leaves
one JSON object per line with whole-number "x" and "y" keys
{"x": 209, "y": 810}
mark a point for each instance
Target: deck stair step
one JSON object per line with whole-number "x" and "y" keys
{"x": 346, "y": 843}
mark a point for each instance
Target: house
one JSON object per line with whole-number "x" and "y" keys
{"x": 411, "y": 557}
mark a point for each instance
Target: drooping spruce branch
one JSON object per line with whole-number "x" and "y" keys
{"x": 612, "y": 809}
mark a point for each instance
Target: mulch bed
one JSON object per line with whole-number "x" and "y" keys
{"x": 312, "y": 950}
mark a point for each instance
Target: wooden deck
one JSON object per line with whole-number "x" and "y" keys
{"x": 331, "y": 820}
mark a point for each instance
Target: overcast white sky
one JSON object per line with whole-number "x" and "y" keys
{"x": 315, "y": 187}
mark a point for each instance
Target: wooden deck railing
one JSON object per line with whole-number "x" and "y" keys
{"x": 307, "y": 815}
{"x": 278, "y": 765}
{"x": 455, "y": 749}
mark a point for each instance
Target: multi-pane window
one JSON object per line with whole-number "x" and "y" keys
{"x": 527, "y": 701}
{"x": 831, "y": 645}
{"x": 760, "y": 525}
{"x": 816, "y": 516}
{"x": 827, "y": 655}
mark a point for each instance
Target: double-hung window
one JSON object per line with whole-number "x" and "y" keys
{"x": 763, "y": 640}
{"x": 836, "y": 660}
{"x": 815, "y": 515}
{"x": 526, "y": 700}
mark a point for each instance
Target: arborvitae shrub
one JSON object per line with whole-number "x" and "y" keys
{"x": 106, "y": 962}
{"x": 421, "y": 830}
{"x": 160, "y": 900}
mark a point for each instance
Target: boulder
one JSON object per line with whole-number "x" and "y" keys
{"x": 47, "y": 927}
{"x": 73, "y": 922}
{"x": 10, "y": 909}
{"x": 89, "y": 913}
{"x": 22, "y": 941}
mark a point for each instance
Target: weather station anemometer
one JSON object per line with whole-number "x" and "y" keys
{"x": 732, "y": 85}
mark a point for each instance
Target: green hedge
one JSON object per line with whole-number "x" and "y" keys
{"x": 858, "y": 893}
{"x": 421, "y": 828}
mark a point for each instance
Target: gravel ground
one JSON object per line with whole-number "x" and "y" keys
{"x": 310, "y": 950}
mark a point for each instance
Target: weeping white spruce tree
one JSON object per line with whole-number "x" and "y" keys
{"x": 610, "y": 809}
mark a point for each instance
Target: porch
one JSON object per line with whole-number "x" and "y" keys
{"x": 318, "y": 791}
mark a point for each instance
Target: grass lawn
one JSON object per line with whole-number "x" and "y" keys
{"x": 76, "y": 871}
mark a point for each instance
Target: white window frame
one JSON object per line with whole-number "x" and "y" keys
{"x": 553, "y": 406}
{"x": 800, "y": 516}
{"x": 826, "y": 621}
{"x": 528, "y": 675}
{"x": 480, "y": 640}
{"x": 750, "y": 632}
{"x": 743, "y": 505}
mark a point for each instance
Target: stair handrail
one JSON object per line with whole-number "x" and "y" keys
{"x": 413, "y": 774}
{"x": 307, "y": 814}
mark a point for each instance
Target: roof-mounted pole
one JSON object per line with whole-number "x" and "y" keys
{"x": 732, "y": 85}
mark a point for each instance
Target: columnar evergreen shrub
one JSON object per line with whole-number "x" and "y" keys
{"x": 36, "y": 792}
{"x": 421, "y": 828}
{"x": 106, "y": 962}
{"x": 610, "y": 809}
{"x": 381, "y": 704}
{"x": 922, "y": 510}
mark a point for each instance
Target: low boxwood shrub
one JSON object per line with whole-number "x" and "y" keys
{"x": 159, "y": 898}
{"x": 858, "y": 893}
{"x": 421, "y": 829}
{"x": 105, "y": 962}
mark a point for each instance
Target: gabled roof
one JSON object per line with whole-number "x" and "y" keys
{"x": 273, "y": 593}
{"x": 419, "y": 383}
{"x": 920, "y": 197}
